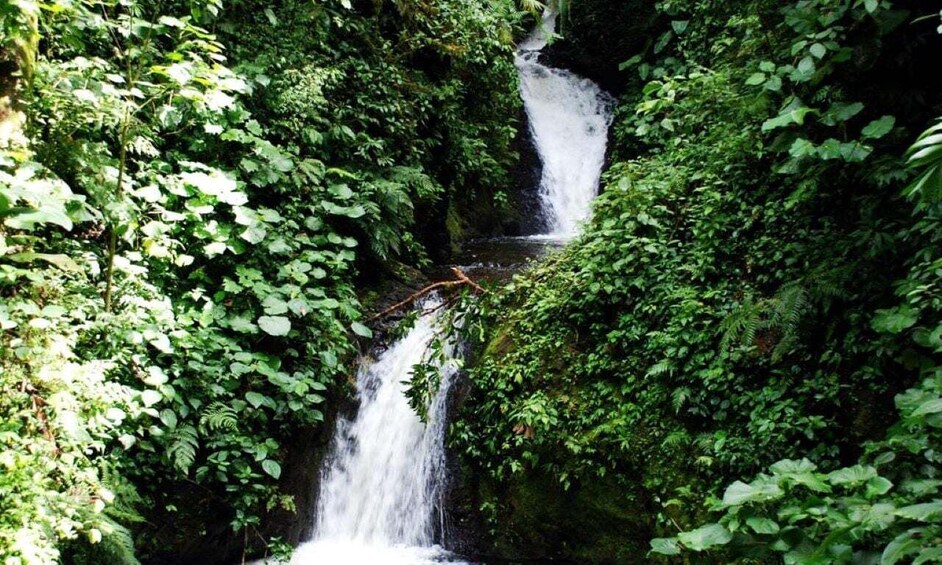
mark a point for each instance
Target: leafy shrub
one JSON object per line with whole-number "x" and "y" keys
{"x": 730, "y": 303}
{"x": 181, "y": 235}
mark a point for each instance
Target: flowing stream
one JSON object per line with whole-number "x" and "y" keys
{"x": 380, "y": 498}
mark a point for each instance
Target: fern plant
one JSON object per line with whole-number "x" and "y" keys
{"x": 925, "y": 156}
{"x": 220, "y": 417}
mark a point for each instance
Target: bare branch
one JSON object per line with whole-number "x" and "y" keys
{"x": 463, "y": 280}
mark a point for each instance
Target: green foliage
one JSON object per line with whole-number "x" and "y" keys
{"x": 926, "y": 155}
{"x": 181, "y": 237}
{"x": 887, "y": 511}
{"x": 733, "y": 301}
{"x": 886, "y": 508}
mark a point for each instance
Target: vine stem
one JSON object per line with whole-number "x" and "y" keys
{"x": 113, "y": 235}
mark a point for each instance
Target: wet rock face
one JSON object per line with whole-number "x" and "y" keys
{"x": 301, "y": 479}
{"x": 599, "y": 35}
{"x": 526, "y": 204}
{"x": 539, "y": 522}
{"x": 202, "y": 535}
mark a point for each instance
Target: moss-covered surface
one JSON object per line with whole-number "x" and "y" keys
{"x": 539, "y": 520}
{"x": 600, "y": 35}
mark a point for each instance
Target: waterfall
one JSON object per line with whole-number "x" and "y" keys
{"x": 380, "y": 498}
{"x": 569, "y": 118}
{"x": 380, "y": 494}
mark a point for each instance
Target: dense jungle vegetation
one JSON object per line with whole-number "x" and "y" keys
{"x": 191, "y": 195}
{"x": 743, "y": 346}
{"x": 739, "y": 360}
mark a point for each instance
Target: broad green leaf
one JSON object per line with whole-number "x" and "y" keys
{"x": 830, "y": 149}
{"x": 895, "y": 320}
{"x": 788, "y": 117}
{"x": 329, "y": 358}
{"x": 901, "y": 547}
{"x": 155, "y": 376}
{"x": 742, "y": 493}
{"x": 275, "y": 325}
{"x": 792, "y": 467}
{"x": 169, "y": 418}
{"x": 854, "y": 152}
{"x": 271, "y": 467}
{"x": 255, "y": 233}
{"x": 361, "y": 330}
{"x": 802, "y": 148}
{"x": 215, "y": 248}
{"x": 705, "y": 537}
{"x": 756, "y": 79}
{"x": 341, "y": 191}
{"x": 46, "y": 215}
{"x": 665, "y": 546}
{"x": 274, "y": 305}
{"x": 922, "y": 512}
{"x": 878, "y": 128}
{"x": 933, "y": 406}
{"x": 878, "y": 486}
{"x": 841, "y": 112}
{"x": 762, "y": 525}
{"x": 255, "y": 399}
{"x": 242, "y": 324}
{"x": 921, "y": 487}
{"x": 215, "y": 183}
{"x": 929, "y": 555}
{"x": 63, "y": 262}
{"x": 857, "y": 474}
{"x": 150, "y": 397}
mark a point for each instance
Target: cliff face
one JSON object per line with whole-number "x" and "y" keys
{"x": 600, "y": 35}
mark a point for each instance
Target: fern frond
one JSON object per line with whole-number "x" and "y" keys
{"x": 675, "y": 439}
{"x": 182, "y": 451}
{"x": 784, "y": 346}
{"x": 679, "y": 397}
{"x": 705, "y": 442}
{"x": 117, "y": 545}
{"x": 742, "y": 324}
{"x": 220, "y": 416}
{"x": 535, "y": 7}
{"x": 661, "y": 367}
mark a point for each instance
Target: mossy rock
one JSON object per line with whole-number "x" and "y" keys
{"x": 599, "y": 35}
{"x": 594, "y": 522}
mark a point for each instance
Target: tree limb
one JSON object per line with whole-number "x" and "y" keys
{"x": 463, "y": 280}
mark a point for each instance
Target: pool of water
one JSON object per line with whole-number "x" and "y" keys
{"x": 498, "y": 259}
{"x": 354, "y": 553}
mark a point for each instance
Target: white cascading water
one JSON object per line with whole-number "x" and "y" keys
{"x": 569, "y": 119}
{"x": 381, "y": 490}
{"x": 380, "y": 494}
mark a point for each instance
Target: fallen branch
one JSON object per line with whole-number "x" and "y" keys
{"x": 463, "y": 280}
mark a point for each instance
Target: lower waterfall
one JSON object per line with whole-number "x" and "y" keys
{"x": 380, "y": 495}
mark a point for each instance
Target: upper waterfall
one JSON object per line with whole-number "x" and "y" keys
{"x": 569, "y": 119}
